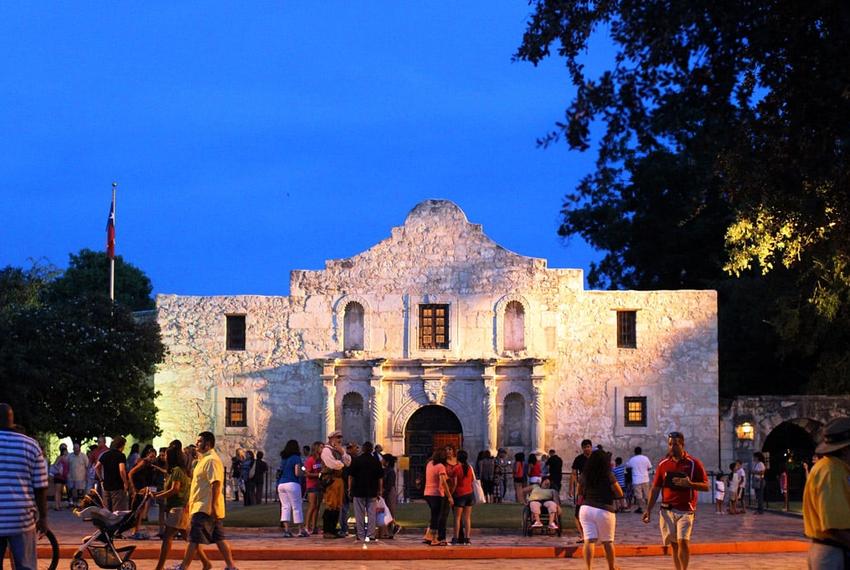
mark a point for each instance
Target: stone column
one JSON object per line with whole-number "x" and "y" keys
{"x": 490, "y": 415}
{"x": 329, "y": 396}
{"x": 376, "y": 406}
{"x": 538, "y": 424}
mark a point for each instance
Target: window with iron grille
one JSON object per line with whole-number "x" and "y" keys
{"x": 433, "y": 326}
{"x": 635, "y": 408}
{"x": 236, "y": 411}
{"x": 235, "y": 332}
{"x": 627, "y": 329}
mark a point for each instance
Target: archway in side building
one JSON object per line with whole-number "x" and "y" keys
{"x": 428, "y": 428}
{"x": 788, "y": 446}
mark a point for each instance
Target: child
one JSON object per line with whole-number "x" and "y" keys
{"x": 719, "y": 492}
{"x": 734, "y": 485}
{"x": 620, "y": 474}
{"x": 783, "y": 487}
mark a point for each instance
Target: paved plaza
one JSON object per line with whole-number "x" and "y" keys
{"x": 742, "y": 541}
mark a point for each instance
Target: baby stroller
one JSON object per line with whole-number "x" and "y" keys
{"x": 101, "y": 544}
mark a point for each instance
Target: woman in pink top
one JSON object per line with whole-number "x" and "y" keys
{"x": 463, "y": 497}
{"x": 439, "y": 498}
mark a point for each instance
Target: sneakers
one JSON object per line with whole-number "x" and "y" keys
{"x": 638, "y": 511}
{"x": 303, "y": 534}
{"x": 553, "y": 526}
{"x": 287, "y": 534}
{"x": 139, "y": 536}
{"x": 537, "y": 524}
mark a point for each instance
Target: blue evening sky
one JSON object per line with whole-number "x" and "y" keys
{"x": 249, "y": 139}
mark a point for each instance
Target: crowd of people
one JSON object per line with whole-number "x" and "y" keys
{"x": 189, "y": 485}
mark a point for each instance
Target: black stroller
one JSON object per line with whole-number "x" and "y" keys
{"x": 101, "y": 544}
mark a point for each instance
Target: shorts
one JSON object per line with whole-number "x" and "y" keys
{"x": 641, "y": 491}
{"x": 533, "y": 480}
{"x": 203, "y": 529}
{"x": 719, "y": 496}
{"x": 675, "y": 525}
{"x": 597, "y": 524}
{"x": 465, "y": 500}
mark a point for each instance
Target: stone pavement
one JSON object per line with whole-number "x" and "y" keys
{"x": 772, "y": 534}
{"x": 796, "y": 561}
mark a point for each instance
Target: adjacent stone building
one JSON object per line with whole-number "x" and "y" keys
{"x": 438, "y": 334}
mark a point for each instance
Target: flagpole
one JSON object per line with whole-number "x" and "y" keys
{"x": 112, "y": 259}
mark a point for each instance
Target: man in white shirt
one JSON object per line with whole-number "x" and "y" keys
{"x": 640, "y": 466}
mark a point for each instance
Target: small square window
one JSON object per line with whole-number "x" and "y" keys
{"x": 635, "y": 411}
{"x": 235, "y": 332}
{"x": 236, "y": 411}
{"x": 626, "y": 329}
{"x": 433, "y": 326}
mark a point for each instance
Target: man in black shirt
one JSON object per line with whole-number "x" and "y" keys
{"x": 365, "y": 485}
{"x": 577, "y": 468}
{"x": 556, "y": 468}
{"x": 260, "y": 470}
{"x": 111, "y": 468}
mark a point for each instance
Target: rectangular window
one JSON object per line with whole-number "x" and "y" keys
{"x": 627, "y": 329}
{"x": 433, "y": 326}
{"x": 235, "y": 332}
{"x": 635, "y": 408}
{"x": 236, "y": 410}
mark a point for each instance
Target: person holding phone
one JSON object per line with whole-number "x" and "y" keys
{"x": 679, "y": 477}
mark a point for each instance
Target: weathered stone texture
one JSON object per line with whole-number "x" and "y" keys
{"x": 570, "y": 362}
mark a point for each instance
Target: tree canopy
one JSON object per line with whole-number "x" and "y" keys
{"x": 721, "y": 162}
{"x": 72, "y": 362}
{"x": 88, "y": 274}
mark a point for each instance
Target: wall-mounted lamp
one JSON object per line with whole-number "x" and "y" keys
{"x": 745, "y": 431}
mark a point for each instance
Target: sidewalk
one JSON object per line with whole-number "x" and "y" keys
{"x": 713, "y": 534}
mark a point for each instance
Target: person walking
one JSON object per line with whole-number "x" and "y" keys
{"x": 111, "y": 468}
{"x": 463, "y": 498}
{"x": 206, "y": 504}
{"x": 438, "y": 495}
{"x": 289, "y": 489}
{"x": 640, "y": 466}
{"x": 365, "y": 485}
{"x": 175, "y": 493}
{"x": 334, "y": 458}
{"x": 312, "y": 470}
{"x": 599, "y": 488}
{"x": 678, "y": 477}
{"x": 826, "y": 500}
{"x": 23, "y": 493}
{"x": 758, "y": 471}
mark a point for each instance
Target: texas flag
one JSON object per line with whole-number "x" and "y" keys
{"x": 110, "y": 231}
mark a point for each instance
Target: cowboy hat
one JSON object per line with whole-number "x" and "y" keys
{"x": 836, "y": 435}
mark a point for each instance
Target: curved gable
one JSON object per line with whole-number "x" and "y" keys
{"x": 437, "y": 250}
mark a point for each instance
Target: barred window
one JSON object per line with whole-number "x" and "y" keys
{"x": 235, "y": 332}
{"x": 635, "y": 408}
{"x": 627, "y": 329}
{"x": 433, "y": 326}
{"x": 236, "y": 412}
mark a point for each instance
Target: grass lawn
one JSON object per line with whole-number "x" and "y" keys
{"x": 415, "y": 515}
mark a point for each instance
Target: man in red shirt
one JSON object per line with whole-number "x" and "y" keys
{"x": 678, "y": 477}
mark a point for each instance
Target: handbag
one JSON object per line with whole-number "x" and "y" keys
{"x": 478, "y": 490}
{"x": 384, "y": 515}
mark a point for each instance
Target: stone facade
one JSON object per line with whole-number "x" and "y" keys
{"x": 561, "y": 378}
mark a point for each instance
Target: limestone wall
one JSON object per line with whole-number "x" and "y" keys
{"x": 437, "y": 256}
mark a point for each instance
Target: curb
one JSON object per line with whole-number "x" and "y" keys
{"x": 380, "y": 552}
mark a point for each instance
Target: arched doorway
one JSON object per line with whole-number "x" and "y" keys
{"x": 787, "y": 446}
{"x": 428, "y": 428}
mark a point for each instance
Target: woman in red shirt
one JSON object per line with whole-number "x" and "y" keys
{"x": 312, "y": 470}
{"x": 463, "y": 497}
{"x": 535, "y": 470}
